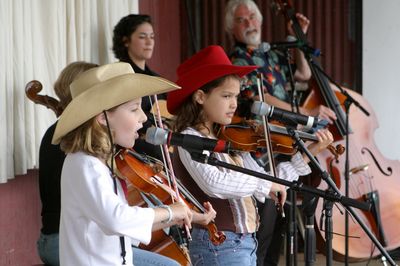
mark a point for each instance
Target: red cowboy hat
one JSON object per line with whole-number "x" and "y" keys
{"x": 207, "y": 65}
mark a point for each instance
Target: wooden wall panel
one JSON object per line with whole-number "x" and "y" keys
{"x": 166, "y": 23}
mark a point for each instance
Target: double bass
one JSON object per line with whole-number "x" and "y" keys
{"x": 372, "y": 177}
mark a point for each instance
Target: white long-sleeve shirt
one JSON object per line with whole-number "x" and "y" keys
{"x": 93, "y": 217}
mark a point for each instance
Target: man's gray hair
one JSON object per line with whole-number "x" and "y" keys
{"x": 231, "y": 8}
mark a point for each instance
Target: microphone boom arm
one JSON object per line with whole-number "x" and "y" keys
{"x": 295, "y": 185}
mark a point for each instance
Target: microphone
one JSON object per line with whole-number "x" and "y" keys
{"x": 158, "y": 136}
{"x": 265, "y": 47}
{"x": 283, "y": 116}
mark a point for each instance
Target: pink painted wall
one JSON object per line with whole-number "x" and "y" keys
{"x": 20, "y": 220}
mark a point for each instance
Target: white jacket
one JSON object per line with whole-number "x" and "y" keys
{"x": 93, "y": 216}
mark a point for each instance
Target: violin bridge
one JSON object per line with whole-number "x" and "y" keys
{"x": 358, "y": 169}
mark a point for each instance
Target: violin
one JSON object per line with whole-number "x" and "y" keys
{"x": 246, "y": 135}
{"x": 147, "y": 177}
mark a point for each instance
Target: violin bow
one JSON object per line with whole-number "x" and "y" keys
{"x": 167, "y": 158}
{"x": 265, "y": 125}
{"x": 267, "y": 136}
{"x": 216, "y": 236}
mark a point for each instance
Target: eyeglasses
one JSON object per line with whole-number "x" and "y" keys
{"x": 242, "y": 20}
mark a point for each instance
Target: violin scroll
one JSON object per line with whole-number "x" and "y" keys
{"x": 216, "y": 237}
{"x": 336, "y": 151}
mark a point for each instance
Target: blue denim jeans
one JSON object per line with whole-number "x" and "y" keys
{"x": 238, "y": 249}
{"x": 47, "y": 246}
{"x": 143, "y": 257}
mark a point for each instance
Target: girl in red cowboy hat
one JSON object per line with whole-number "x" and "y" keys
{"x": 97, "y": 226}
{"x": 210, "y": 87}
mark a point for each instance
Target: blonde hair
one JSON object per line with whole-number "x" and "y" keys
{"x": 91, "y": 138}
{"x": 67, "y": 75}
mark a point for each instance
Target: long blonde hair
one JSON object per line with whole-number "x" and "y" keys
{"x": 91, "y": 138}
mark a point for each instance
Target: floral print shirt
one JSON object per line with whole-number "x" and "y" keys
{"x": 273, "y": 66}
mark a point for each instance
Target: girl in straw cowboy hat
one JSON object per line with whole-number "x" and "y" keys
{"x": 97, "y": 225}
{"x": 51, "y": 159}
{"x": 210, "y": 87}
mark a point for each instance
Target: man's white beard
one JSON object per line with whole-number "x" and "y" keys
{"x": 253, "y": 39}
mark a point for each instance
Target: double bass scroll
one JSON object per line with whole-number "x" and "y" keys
{"x": 32, "y": 90}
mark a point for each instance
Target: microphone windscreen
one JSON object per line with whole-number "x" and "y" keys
{"x": 156, "y": 136}
{"x": 259, "y": 108}
{"x": 244, "y": 107}
{"x": 265, "y": 47}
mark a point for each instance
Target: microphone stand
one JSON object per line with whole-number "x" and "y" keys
{"x": 331, "y": 195}
{"x": 347, "y": 103}
{"x": 291, "y": 227}
{"x": 294, "y": 101}
{"x": 309, "y": 205}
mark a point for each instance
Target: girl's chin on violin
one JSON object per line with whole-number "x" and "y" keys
{"x": 227, "y": 119}
{"x": 132, "y": 140}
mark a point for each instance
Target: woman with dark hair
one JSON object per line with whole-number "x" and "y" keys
{"x": 133, "y": 43}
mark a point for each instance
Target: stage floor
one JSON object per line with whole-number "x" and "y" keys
{"x": 321, "y": 261}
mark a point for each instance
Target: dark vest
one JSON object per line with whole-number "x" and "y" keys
{"x": 224, "y": 219}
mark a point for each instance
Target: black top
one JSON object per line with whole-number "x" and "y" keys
{"x": 51, "y": 159}
{"x": 141, "y": 146}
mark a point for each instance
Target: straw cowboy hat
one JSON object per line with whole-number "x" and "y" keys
{"x": 207, "y": 65}
{"x": 102, "y": 88}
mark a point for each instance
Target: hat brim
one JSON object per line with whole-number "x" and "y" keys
{"x": 106, "y": 95}
{"x": 198, "y": 77}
